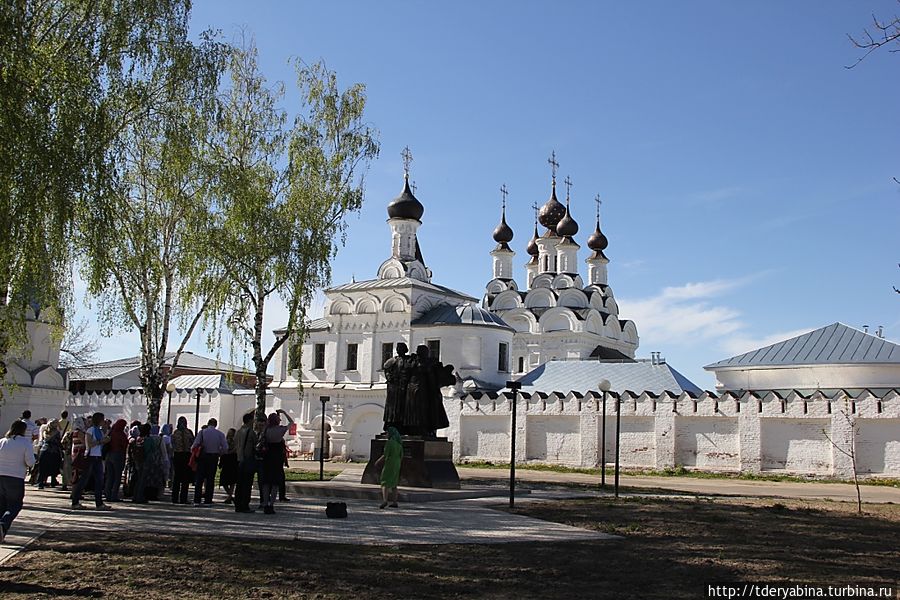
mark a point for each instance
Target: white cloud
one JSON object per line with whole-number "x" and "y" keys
{"x": 719, "y": 195}
{"x": 739, "y": 344}
{"x": 684, "y": 314}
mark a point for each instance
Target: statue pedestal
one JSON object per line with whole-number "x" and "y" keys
{"x": 427, "y": 463}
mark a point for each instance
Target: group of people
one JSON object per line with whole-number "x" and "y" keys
{"x": 139, "y": 461}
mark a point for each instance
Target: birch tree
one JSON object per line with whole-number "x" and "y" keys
{"x": 70, "y": 81}
{"x": 284, "y": 195}
{"x": 154, "y": 273}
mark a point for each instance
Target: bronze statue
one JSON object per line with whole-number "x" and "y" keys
{"x": 414, "y": 404}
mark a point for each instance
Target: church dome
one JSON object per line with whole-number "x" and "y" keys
{"x": 463, "y": 314}
{"x": 567, "y": 227}
{"x": 503, "y": 234}
{"x": 532, "y": 248}
{"x": 406, "y": 205}
{"x": 597, "y": 241}
{"x": 552, "y": 211}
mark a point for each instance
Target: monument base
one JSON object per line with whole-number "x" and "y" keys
{"x": 427, "y": 463}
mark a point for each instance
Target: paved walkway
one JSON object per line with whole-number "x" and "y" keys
{"x": 467, "y": 521}
{"x": 442, "y": 517}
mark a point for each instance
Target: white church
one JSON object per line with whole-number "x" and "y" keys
{"x": 801, "y": 406}
{"x": 557, "y": 316}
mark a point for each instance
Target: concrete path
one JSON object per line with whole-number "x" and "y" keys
{"x": 467, "y": 521}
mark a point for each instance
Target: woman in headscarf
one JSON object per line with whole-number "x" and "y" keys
{"x": 166, "y": 435}
{"x": 182, "y": 476}
{"x": 79, "y": 453}
{"x": 228, "y": 464}
{"x": 114, "y": 463}
{"x": 271, "y": 472}
{"x": 50, "y": 455}
{"x": 156, "y": 464}
{"x": 137, "y": 462}
{"x": 390, "y": 470}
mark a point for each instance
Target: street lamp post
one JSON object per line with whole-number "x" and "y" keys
{"x": 604, "y": 387}
{"x": 197, "y": 415}
{"x": 515, "y": 386}
{"x": 618, "y": 422}
{"x": 170, "y": 387}
{"x": 323, "y": 400}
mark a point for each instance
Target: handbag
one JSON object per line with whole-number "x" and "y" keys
{"x": 336, "y": 510}
{"x": 195, "y": 454}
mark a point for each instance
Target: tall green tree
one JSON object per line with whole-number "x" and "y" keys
{"x": 71, "y": 79}
{"x": 155, "y": 271}
{"x": 284, "y": 195}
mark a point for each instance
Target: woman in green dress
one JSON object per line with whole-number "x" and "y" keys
{"x": 390, "y": 471}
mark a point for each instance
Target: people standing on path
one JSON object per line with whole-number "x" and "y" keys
{"x": 228, "y": 466}
{"x": 390, "y": 470}
{"x": 212, "y": 445}
{"x": 166, "y": 435}
{"x": 65, "y": 432}
{"x": 182, "y": 475}
{"x": 245, "y": 450}
{"x": 114, "y": 463}
{"x": 50, "y": 455}
{"x": 94, "y": 440}
{"x": 271, "y": 472}
{"x": 16, "y": 456}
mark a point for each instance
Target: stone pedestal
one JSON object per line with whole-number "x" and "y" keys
{"x": 427, "y": 463}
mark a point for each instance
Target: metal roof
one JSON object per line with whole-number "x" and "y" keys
{"x": 372, "y": 284}
{"x": 115, "y": 368}
{"x": 581, "y": 375}
{"x": 216, "y": 382}
{"x": 463, "y": 314}
{"x": 835, "y": 344}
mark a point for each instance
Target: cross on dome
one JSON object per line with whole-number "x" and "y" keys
{"x": 504, "y": 192}
{"x": 599, "y": 202}
{"x": 407, "y": 160}
{"x": 568, "y": 183}
{"x": 553, "y": 164}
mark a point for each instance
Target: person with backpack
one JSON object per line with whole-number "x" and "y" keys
{"x": 16, "y": 456}
{"x": 182, "y": 475}
{"x": 94, "y": 440}
{"x": 245, "y": 447}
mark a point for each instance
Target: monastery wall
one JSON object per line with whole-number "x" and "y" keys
{"x": 729, "y": 433}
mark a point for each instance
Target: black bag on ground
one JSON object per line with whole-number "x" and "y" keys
{"x": 336, "y": 510}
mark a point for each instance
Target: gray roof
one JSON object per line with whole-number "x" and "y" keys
{"x": 463, "y": 314}
{"x": 115, "y": 368}
{"x": 372, "y": 284}
{"x": 835, "y": 344}
{"x": 584, "y": 375}
{"x": 318, "y": 324}
{"x": 217, "y": 382}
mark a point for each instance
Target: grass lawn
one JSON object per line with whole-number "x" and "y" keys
{"x": 671, "y": 548}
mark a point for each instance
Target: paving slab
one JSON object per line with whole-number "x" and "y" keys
{"x": 459, "y": 521}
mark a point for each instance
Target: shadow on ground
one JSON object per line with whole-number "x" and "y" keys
{"x": 671, "y": 549}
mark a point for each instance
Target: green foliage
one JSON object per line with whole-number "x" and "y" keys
{"x": 284, "y": 194}
{"x": 294, "y": 356}
{"x": 70, "y": 81}
{"x": 154, "y": 270}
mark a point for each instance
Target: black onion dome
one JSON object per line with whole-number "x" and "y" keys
{"x": 567, "y": 227}
{"x": 532, "y": 248}
{"x": 597, "y": 241}
{"x": 504, "y": 233}
{"x": 405, "y": 206}
{"x": 552, "y": 211}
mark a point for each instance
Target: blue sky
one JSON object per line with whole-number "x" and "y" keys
{"x": 746, "y": 174}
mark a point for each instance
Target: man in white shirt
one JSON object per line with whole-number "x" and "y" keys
{"x": 212, "y": 444}
{"x": 15, "y": 457}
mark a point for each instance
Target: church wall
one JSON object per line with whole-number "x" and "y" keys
{"x": 745, "y": 433}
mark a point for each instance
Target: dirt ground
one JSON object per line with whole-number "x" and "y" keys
{"x": 670, "y": 548}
